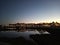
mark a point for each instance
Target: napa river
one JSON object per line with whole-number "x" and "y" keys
{"x": 25, "y": 34}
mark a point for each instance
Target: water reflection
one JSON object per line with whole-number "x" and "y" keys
{"x": 25, "y": 34}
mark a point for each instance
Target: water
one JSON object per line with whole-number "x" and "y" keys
{"x": 25, "y": 34}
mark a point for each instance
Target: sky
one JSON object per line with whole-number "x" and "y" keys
{"x": 29, "y": 11}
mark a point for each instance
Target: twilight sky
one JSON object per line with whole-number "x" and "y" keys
{"x": 29, "y": 11}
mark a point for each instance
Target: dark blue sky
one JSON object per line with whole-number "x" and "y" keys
{"x": 29, "y": 11}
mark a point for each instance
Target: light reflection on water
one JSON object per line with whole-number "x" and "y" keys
{"x": 25, "y": 34}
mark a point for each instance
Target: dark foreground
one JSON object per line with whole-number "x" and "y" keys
{"x": 38, "y": 40}
{"x": 16, "y": 41}
{"x": 43, "y": 39}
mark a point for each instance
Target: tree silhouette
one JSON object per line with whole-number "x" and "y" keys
{"x": 17, "y": 28}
